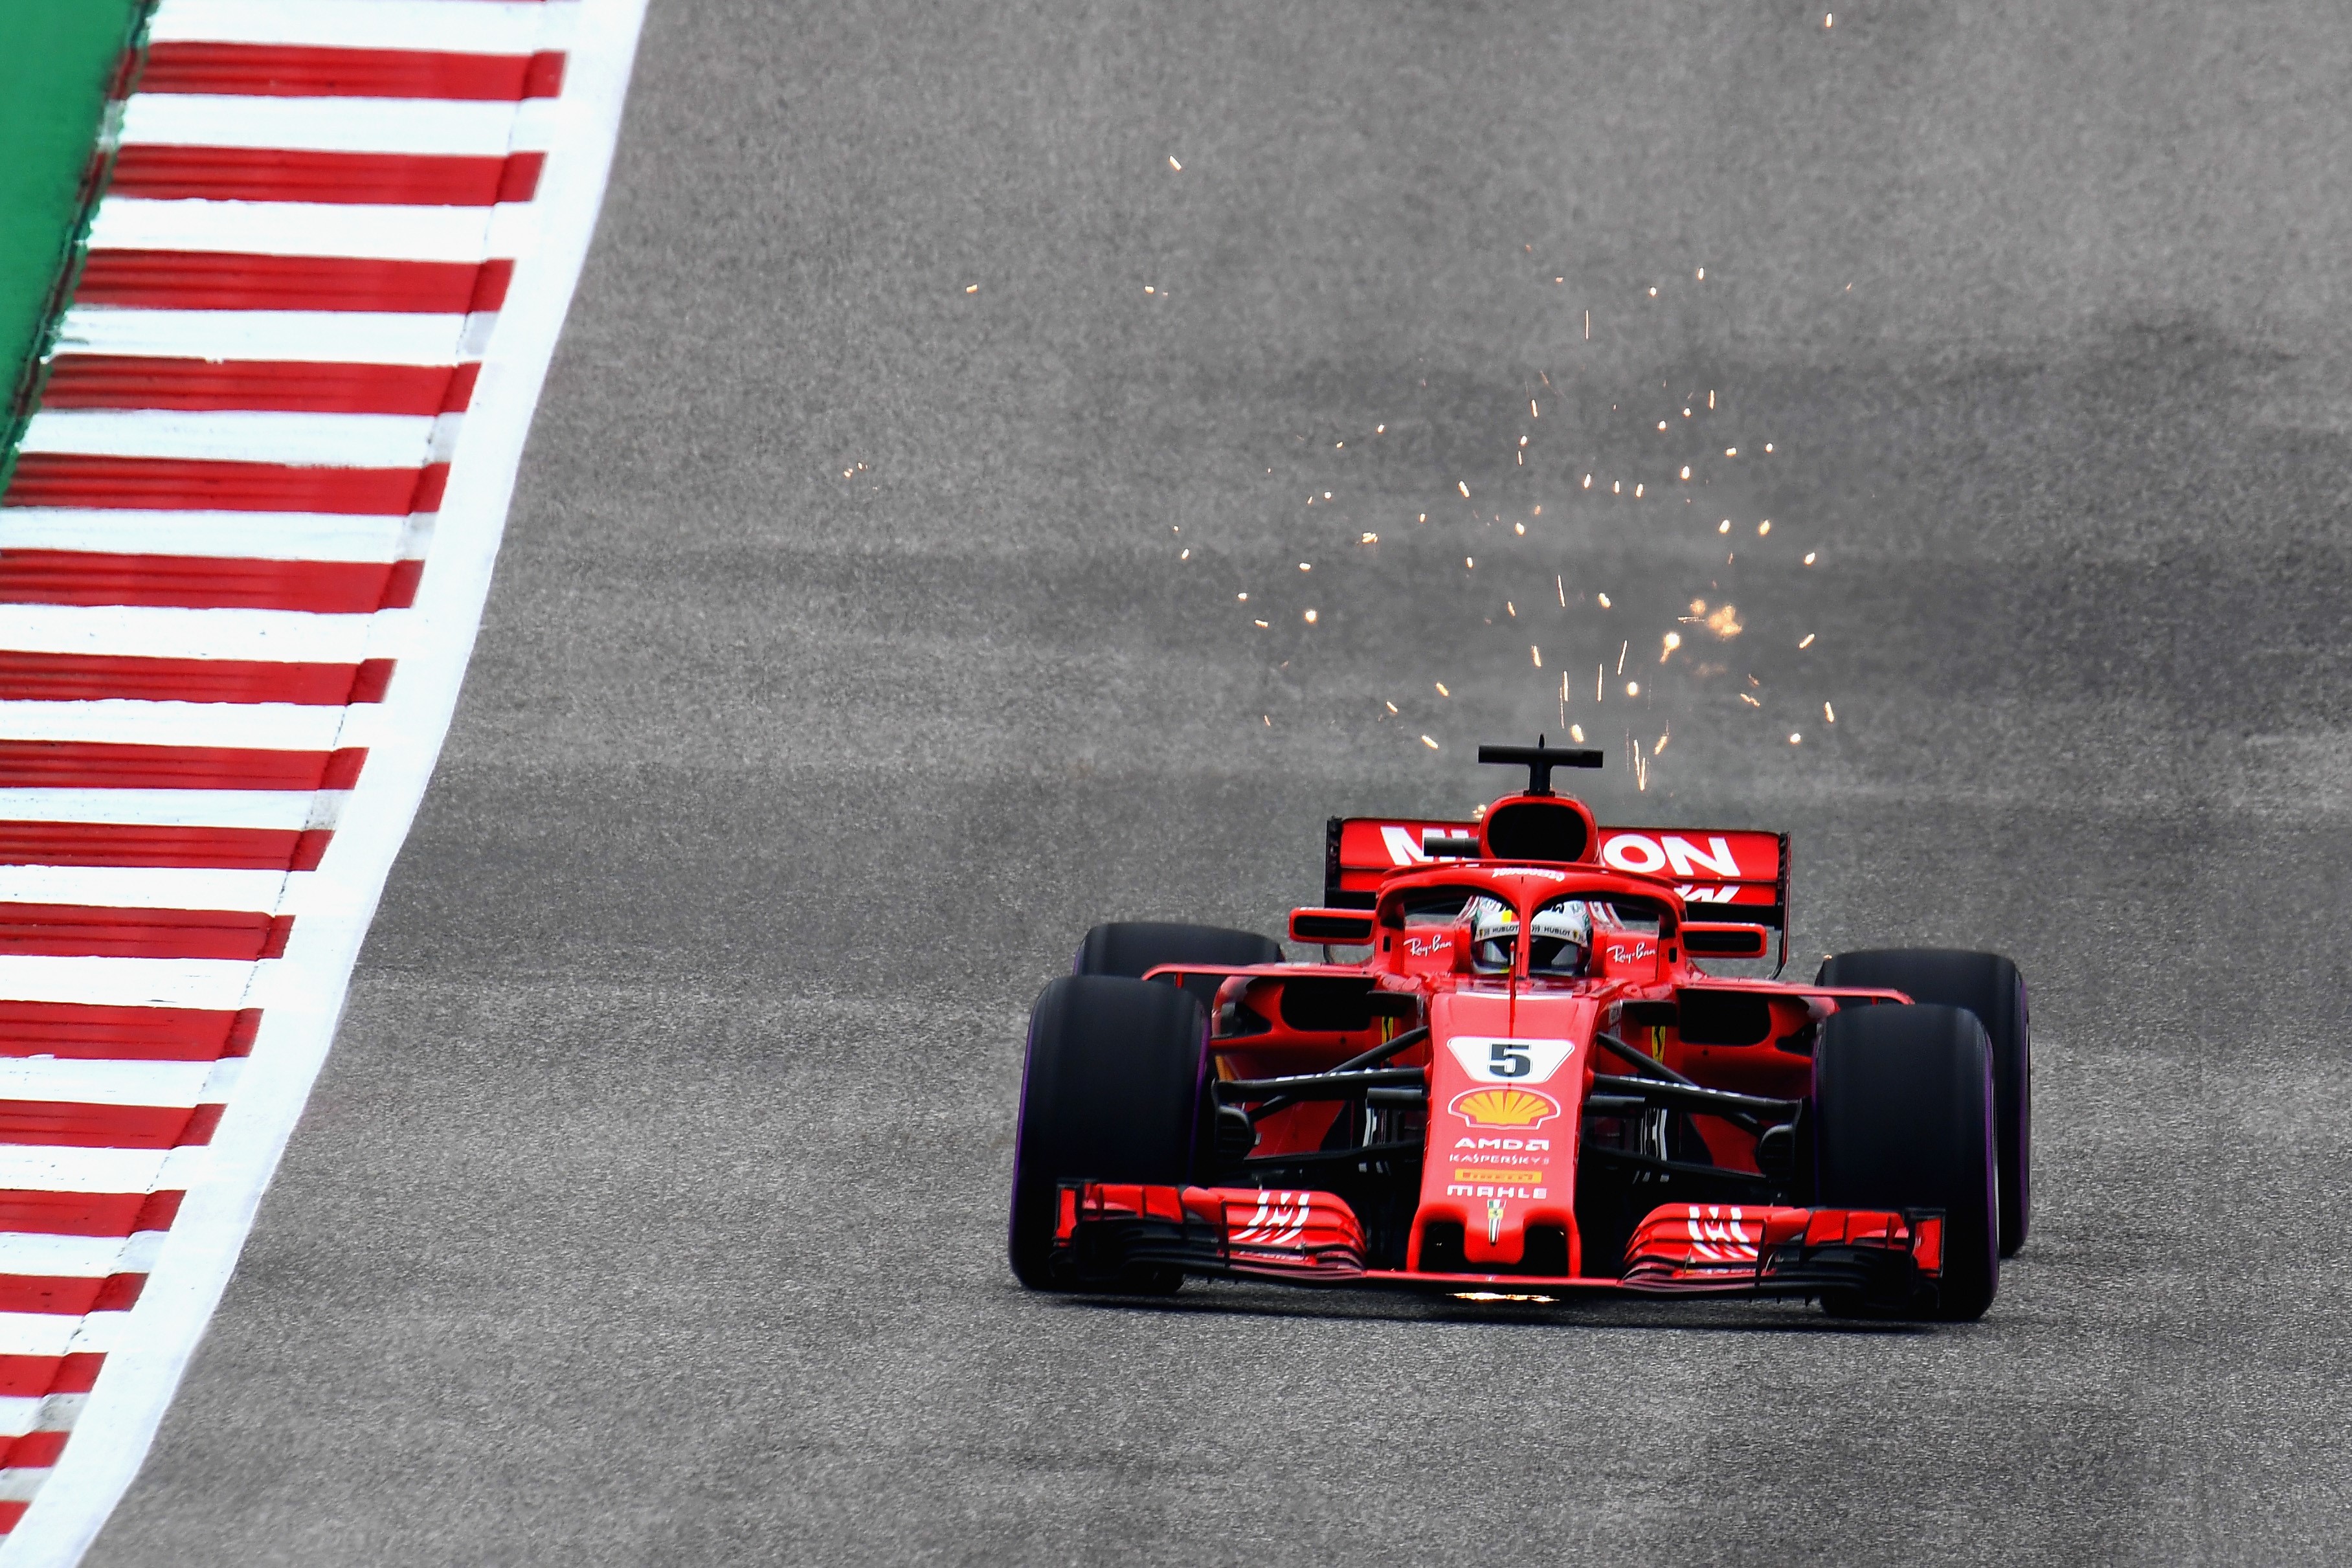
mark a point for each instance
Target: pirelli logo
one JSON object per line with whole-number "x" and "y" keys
{"x": 1516, "y": 1178}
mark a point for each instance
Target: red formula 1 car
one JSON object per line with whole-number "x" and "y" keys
{"x": 1528, "y": 1086}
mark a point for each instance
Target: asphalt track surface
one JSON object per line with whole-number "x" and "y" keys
{"x": 650, "y": 1208}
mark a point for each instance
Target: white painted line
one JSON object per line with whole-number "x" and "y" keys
{"x": 52, "y": 1334}
{"x": 303, "y": 993}
{"x": 260, "y": 725}
{"x": 214, "y": 983}
{"x": 151, "y": 632}
{"x": 329, "y": 337}
{"x": 62, "y": 1170}
{"x": 54, "y": 1413}
{"x": 422, "y": 127}
{"x": 143, "y": 888}
{"x": 86, "y": 1257}
{"x": 303, "y": 440}
{"x": 314, "y": 228}
{"x": 453, "y": 27}
{"x": 283, "y": 810}
{"x": 234, "y": 535}
{"x": 103, "y": 1082}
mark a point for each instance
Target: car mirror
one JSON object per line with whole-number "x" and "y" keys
{"x": 1713, "y": 939}
{"x": 1346, "y": 926}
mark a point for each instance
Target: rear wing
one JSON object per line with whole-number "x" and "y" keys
{"x": 1744, "y": 871}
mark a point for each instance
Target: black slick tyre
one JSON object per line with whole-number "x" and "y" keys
{"x": 1132, "y": 947}
{"x": 1988, "y": 986}
{"x": 1109, "y": 1092}
{"x": 1902, "y": 1101}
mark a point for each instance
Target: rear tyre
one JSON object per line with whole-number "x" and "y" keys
{"x": 1132, "y": 947}
{"x": 1109, "y": 1092}
{"x": 1903, "y": 1099}
{"x": 1989, "y": 986}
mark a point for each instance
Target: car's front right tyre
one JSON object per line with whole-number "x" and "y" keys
{"x": 1109, "y": 1092}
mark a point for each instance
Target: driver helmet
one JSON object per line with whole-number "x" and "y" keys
{"x": 1561, "y": 938}
{"x": 1493, "y": 929}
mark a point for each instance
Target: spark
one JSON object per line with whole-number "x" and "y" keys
{"x": 974, "y": 288}
{"x": 1710, "y": 397}
{"x": 1599, "y": 674}
{"x": 1795, "y": 738}
{"x": 1266, "y": 719}
{"x": 1588, "y": 326}
{"x": 1519, "y": 528}
{"x": 1621, "y": 656}
{"x": 1260, "y": 624}
{"x": 1603, "y": 598}
{"x": 1523, "y": 440}
{"x": 1469, "y": 563}
{"x": 1637, "y": 492}
{"x": 1183, "y": 555}
{"x": 1662, "y": 742}
{"x": 1724, "y": 623}
{"x": 1588, "y": 481}
{"x": 1306, "y": 566}
{"x": 1686, "y": 470}
{"x": 1750, "y": 700}
{"x": 1653, "y": 290}
{"x": 1767, "y": 446}
{"x": 1686, "y": 414}
{"x": 1511, "y": 609}
{"x": 1537, "y": 513}
{"x": 1662, "y": 424}
{"x": 1674, "y": 641}
{"x": 1339, "y": 446}
{"x": 1149, "y": 289}
{"x": 1559, "y": 587}
{"x": 1430, "y": 743}
{"x": 1463, "y": 487}
{"x": 1537, "y": 654}
{"x": 1441, "y": 688}
{"x": 1576, "y": 733}
{"x": 1310, "y": 617}
{"x": 1379, "y": 429}
{"x": 1533, "y": 412}
{"x": 1763, "y": 528}
{"x": 1702, "y": 274}
{"x": 1829, "y": 712}
{"x": 1633, "y": 689}
{"x": 1175, "y": 165}
{"x": 1389, "y": 706}
{"x": 1809, "y": 556}
{"x": 1698, "y": 607}
{"x": 1724, "y": 526}
{"x": 1808, "y": 642}
{"x": 1731, "y": 451}
{"x": 1370, "y": 539}
{"x": 1829, "y": 19}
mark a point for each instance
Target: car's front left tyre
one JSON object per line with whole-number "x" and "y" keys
{"x": 1110, "y": 1092}
{"x": 1903, "y": 1120}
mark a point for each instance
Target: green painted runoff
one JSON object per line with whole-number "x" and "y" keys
{"x": 56, "y": 57}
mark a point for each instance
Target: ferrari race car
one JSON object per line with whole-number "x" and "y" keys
{"x": 1519, "y": 1081}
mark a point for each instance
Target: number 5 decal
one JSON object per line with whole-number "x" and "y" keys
{"x": 1506, "y": 1060}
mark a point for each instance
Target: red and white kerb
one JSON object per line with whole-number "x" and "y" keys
{"x": 242, "y": 557}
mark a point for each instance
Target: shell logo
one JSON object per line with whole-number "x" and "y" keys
{"x": 1504, "y": 1107}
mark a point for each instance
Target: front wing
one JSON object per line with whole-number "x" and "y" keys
{"x": 1108, "y": 1231}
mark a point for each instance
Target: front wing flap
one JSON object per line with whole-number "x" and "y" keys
{"x": 1108, "y": 1231}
